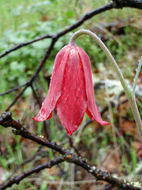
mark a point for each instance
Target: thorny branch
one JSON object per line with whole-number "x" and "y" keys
{"x": 6, "y": 120}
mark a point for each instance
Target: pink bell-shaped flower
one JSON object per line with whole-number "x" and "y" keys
{"x": 71, "y": 90}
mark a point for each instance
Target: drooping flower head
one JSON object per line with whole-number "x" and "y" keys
{"x": 71, "y": 90}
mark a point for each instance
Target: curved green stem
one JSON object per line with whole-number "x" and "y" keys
{"x": 137, "y": 74}
{"x": 128, "y": 92}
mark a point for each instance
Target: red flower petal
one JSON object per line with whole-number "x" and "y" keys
{"x": 92, "y": 109}
{"x": 72, "y": 103}
{"x": 54, "y": 93}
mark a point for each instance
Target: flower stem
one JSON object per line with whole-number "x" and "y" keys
{"x": 136, "y": 114}
{"x": 128, "y": 92}
{"x": 137, "y": 74}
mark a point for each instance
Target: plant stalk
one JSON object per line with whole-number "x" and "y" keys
{"x": 130, "y": 96}
{"x": 136, "y": 114}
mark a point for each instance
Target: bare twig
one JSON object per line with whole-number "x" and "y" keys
{"x": 128, "y": 3}
{"x": 16, "y": 98}
{"x": 25, "y": 44}
{"x": 73, "y": 146}
{"x": 40, "y": 153}
{"x": 7, "y": 121}
{"x": 36, "y": 96}
{"x": 63, "y": 32}
{"x": 114, "y": 4}
{"x": 13, "y": 89}
{"x": 17, "y": 179}
{"x": 29, "y": 83}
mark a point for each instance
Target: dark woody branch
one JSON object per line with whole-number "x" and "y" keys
{"x": 30, "y": 82}
{"x": 98, "y": 174}
{"x": 128, "y": 3}
{"x": 25, "y": 44}
{"x": 63, "y": 32}
{"x": 13, "y": 89}
{"x": 113, "y": 4}
{"x": 6, "y": 120}
{"x": 101, "y": 175}
{"x": 17, "y": 179}
{"x": 16, "y": 98}
{"x": 35, "y": 157}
